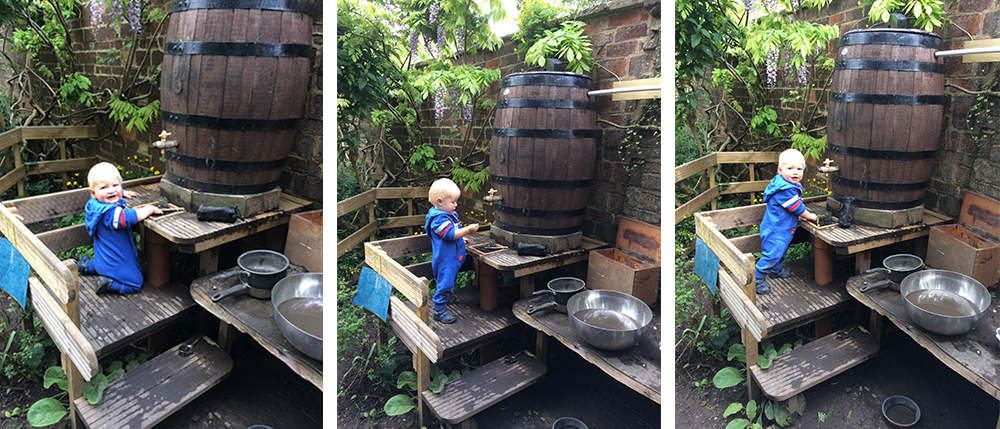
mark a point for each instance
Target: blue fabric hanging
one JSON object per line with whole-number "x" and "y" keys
{"x": 706, "y": 264}
{"x": 14, "y": 271}
{"x": 373, "y": 292}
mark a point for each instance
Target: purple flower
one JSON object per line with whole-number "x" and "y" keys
{"x": 441, "y": 37}
{"x": 770, "y": 63}
{"x": 433, "y": 15}
{"x": 803, "y": 76}
{"x": 414, "y": 41}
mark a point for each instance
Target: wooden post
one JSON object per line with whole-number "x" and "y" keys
{"x": 822, "y": 261}
{"x": 16, "y": 149}
{"x": 487, "y": 287}
{"x": 862, "y": 261}
{"x": 157, "y": 258}
{"x": 422, "y": 366}
{"x": 711, "y": 184}
{"x": 208, "y": 261}
{"x": 372, "y": 220}
{"x": 74, "y": 380}
{"x": 409, "y": 212}
{"x": 527, "y": 286}
{"x": 750, "y": 343}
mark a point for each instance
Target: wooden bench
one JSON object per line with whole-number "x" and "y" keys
{"x": 793, "y": 302}
{"x": 433, "y": 342}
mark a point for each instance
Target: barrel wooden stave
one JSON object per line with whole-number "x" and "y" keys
{"x": 232, "y": 86}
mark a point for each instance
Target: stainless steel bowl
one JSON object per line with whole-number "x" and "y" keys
{"x": 609, "y": 319}
{"x": 947, "y": 282}
{"x": 304, "y": 293}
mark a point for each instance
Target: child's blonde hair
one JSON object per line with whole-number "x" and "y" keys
{"x": 102, "y": 171}
{"x": 442, "y": 188}
{"x": 791, "y": 156}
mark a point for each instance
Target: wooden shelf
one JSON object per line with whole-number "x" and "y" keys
{"x": 481, "y": 388}
{"x": 798, "y": 300}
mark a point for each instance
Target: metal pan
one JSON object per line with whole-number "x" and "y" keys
{"x": 897, "y": 267}
{"x": 259, "y": 271}
{"x": 561, "y": 289}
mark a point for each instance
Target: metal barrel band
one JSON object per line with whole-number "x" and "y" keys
{"x": 236, "y": 124}
{"x": 540, "y": 183}
{"x": 545, "y": 134}
{"x": 880, "y": 205}
{"x": 536, "y": 213}
{"x": 909, "y": 100}
{"x": 576, "y": 81}
{"x": 894, "y": 65}
{"x": 535, "y": 231}
{"x": 239, "y": 49}
{"x": 300, "y": 6}
{"x": 224, "y": 165}
{"x": 877, "y": 186}
{"x": 881, "y": 154}
{"x": 219, "y": 188}
{"x": 545, "y": 103}
{"x": 928, "y": 40}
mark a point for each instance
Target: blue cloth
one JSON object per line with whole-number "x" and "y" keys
{"x": 784, "y": 204}
{"x": 14, "y": 270}
{"x": 373, "y": 292}
{"x": 448, "y": 253}
{"x": 706, "y": 264}
{"x": 114, "y": 248}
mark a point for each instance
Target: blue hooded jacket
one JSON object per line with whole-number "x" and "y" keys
{"x": 784, "y": 205}
{"x": 114, "y": 248}
{"x": 441, "y": 227}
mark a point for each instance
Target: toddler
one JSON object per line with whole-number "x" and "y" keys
{"x": 447, "y": 243}
{"x": 783, "y": 197}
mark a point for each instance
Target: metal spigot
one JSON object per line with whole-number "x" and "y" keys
{"x": 492, "y": 198}
{"x": 826, "y": 168}
{"x": 163, "y": 143}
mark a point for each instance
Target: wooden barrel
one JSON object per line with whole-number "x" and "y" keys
{"x": 234, "y": 82}
{"x": 885, "y": 114}
{"x": 543, "y": 152}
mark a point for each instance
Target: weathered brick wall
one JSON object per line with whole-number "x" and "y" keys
{"x": 303, "y": 171}
{"x": 626, "y": 43}
{"x": 967, "y": 158}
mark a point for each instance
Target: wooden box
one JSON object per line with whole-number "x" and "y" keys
{"x": 633, "y": 266}
{"x": 304, "y": 244}
{"x": 970, "y": 248}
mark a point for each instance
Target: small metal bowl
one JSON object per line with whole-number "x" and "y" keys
{"x": 904, "y": 401}
{"x": 568, "y": 423}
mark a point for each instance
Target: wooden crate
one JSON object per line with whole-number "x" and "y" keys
{"x": 304, "y": 244}
{"x": 970, "y": 248}
{"x": 633, "y": 266}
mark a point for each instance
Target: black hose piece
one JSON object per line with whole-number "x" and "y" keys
{"x": 846, "y": 212}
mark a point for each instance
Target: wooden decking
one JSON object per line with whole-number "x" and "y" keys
{"x": 112, "y": 321}
{"x": 797, "y": 300}
{"x": 483, "y": 387}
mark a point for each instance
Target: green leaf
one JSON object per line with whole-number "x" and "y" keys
{"x": 727, "y": 377}
{"x": 437, "y": 384}
{"x": 407, "y": 379}
{"x": 46, "y": 412}
{"x": 399, "y": 404}
{"x": 733, "y": 408}
{"x": 737, "y": 351}
{"x": 55, "y": 374}
{"x": 751, "y": 408}
{"x": 93, "y": 390}
{"x": 737, "y": 424}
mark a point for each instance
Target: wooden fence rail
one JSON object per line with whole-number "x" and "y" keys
{"x": 17, "y": 137}
{"x": 711, "y": 163}
{"x": 369, "y": 199}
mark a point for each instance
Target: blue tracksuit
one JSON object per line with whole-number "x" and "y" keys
{"x": 114, "y": 248}
{"x": 448, "y": 253}
{"x": 784, "y": 205}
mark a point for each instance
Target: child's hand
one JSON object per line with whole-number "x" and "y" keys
{"x": 809, "y": 216}
{"x": 474, "y": 227}
{"x": 143, "y": 212}
{"x": 129, "y": 194}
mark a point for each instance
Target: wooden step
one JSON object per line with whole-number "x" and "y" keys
{"x": 798, "y": 300}
{"x": 479, "y": 389}
{"x": 810, "y": 364}
{"x": 151, "y": 392}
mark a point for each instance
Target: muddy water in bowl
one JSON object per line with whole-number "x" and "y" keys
{"x": 901, "y": 414}
{"x": 608, "y": 319}
{"x": 305, "y": 313}
{"x": 942, "y": 302}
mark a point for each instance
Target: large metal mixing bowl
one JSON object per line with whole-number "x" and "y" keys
{"x": 306, "y": 285}
{"x": 947, "y": 281}
{"x": 609, "y": 319}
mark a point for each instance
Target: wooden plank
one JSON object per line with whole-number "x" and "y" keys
{"x": 741, "y": 187}
{"x": 386, "y": 193}
{"x": 59, "y": 204}
{"x": 405, "y": 246}
{"x": 75, "y": 164}
{"x": 473, "y": 327}
{"x": 145, "y": 396}
{"x": 10, "y": 138}
{"x": 734, "y": 260}
{"x": 402, "y": 221}
{"x": 691, "y": 168}
{"x": 483, "y": 387}
{"x": 798, "y": 299}
{"x": 744, "y": 310}
{"x": 59, "y": 132}
{"x": 695, "y": 205}
{"x": 64, "y": 333}
{"x": 811, "y": 364}
{"x": 66, "y": 239}
{"x": 412, "y": 287}
{"x": 638, "y": 95}
{"x": 357, "y": 238}
{"x": 356, "y": 202}
{"x": 12, "y": 178}
{"x": 747, "y": 157}
{"x": 421, "y": 335}
{"x": 981, "y": 58}
{"x": 54, "y": 273}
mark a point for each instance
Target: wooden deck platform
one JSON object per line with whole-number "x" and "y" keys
{"x": 797, "y": 300}
{"x": 150, "y": 393}
{"x": 481, "y": 388}
{"x": 111, "y": 321}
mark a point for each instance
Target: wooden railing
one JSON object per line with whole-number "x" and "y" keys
{"x": 709, "y": 164}
{"x": 15, "y": 139}
{"x": 368, "y": 199}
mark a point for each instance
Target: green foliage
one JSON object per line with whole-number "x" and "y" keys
{"x": 765, "y": 122}
{"x": 403, "y": 403}
{"x": 76, "y": 89}
{"x": 422, "y": 158}
{"x": 535, "y": 17}
{"x": 137, "y": 117}
{"x": 25, "y": 352}
{"x": 754, "y": 415}
{"x": 703, "y": 31}
{"x": 728, "y": 377}
{"x": 809, "y": 146}
{"x": 469, "y": 179}
{"x": 568, "y": 43}
{"x": 928, "y": 13}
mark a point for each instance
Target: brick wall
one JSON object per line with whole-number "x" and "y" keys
{"x": 967, "y": 157}
{"x": 303, "y": 171}
{"x": 626, "y": 43}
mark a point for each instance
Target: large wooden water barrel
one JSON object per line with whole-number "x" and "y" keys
{"x": 542, "y": 154}
{"x": 234, "y": 82}
{"x": 885, "y": 114}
